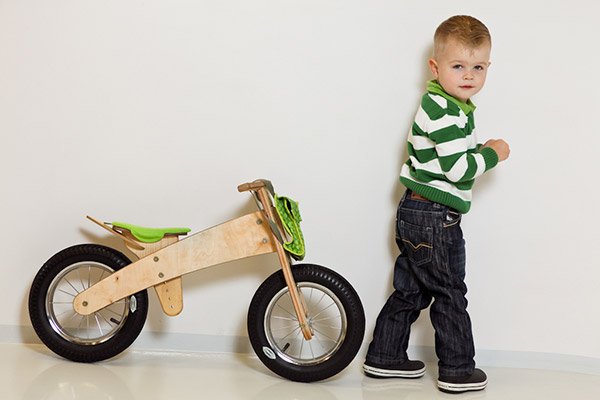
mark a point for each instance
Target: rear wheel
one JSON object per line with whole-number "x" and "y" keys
{"x": 335, "y": 316}
{"x": 77, "y": 337}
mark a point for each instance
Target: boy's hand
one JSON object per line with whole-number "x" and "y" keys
{"x": 500, "y": 147}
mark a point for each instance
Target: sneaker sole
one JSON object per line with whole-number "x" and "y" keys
{"x": 461, "y": 387}
{"x": 390, "y": 373}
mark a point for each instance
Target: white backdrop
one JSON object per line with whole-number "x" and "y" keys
{"x": 152, "y": 112}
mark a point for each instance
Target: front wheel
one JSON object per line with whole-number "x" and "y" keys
{"x": 76, "y": 337}
{"x": 335, "y": 316}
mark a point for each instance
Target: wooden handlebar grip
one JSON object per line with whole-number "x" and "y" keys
{"x": 244, "y": 187}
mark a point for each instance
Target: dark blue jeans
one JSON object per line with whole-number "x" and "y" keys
{"x": 431, "y": 265}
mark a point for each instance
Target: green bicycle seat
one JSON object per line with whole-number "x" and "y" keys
{"x": 150, "y": 235}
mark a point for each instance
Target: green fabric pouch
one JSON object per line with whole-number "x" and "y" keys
{"x": 289, "y": 213}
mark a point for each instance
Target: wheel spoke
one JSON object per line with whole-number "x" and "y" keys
{"x": 67, "y": 293}
{"x": 293, "y": 315}
{"x": 320, "y": 332}
{"x": 65, "y": 312}
{"x": 308, "y": 304}
{"x": 81, "y": 323}
{"x": 104, "y": 318}
{"x": 113, "y": 311}
{"x": 98, "y": 323}
{"x": 284, "y": 327}
{"x": 324, "y": 326}
{"x": 284, "y": 318}
{"x": 321, "y": 299}
{"x": 319, "y": 341}
{"x": 323, "y": 310}
{"x": 72, "y": 318}
{"x": 301, "y": 346}
{"x": 70, "y": 284}
{"x": 80, "y": 279}
{"x": 297, "y": 329}
{"x": 325, "y": 319}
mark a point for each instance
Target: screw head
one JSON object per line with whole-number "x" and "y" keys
{"x": 161, "y": 275}
{"x": 85, "y": 304}
{"x": 155, "y": 259}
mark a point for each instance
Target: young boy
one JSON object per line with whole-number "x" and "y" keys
{"x": 444, "y": 160}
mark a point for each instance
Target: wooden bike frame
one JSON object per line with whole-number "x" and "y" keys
{"x": 162, "y": 264}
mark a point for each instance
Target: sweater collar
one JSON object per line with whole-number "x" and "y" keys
{"x": 434, "y": 87}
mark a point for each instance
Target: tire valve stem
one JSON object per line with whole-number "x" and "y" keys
{"x": 114, "y": 321}
{"x": 285, "y": 347}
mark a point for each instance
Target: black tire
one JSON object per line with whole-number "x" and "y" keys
{"x": 335, "y": 314}
{"x": 100, "y": 336}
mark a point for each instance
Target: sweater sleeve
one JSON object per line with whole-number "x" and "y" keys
{"x": 460, "y": 160}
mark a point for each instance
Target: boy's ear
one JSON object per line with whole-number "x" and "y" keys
{"x": 434, "y": 67}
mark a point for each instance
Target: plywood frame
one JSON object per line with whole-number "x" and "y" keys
{"x": 170, "y": 293}
{"x": 237, "y": 239}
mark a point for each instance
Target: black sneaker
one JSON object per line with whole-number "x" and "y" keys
{"x": 408, "y": 369}
{"x": 458, "y": 384}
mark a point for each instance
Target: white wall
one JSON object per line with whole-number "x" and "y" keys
{"x": 153, "y": 111}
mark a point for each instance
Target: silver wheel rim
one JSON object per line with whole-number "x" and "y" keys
{"x": 326, "y": 318}
{"x": 83, "y": 329}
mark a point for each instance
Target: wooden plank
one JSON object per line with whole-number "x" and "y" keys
{"x": 170, "y": 294}
{"x": 240, "y": 238}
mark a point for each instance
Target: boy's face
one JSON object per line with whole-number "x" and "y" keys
{"x": 461, "y": 70}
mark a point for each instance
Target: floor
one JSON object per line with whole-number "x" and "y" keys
{"x": 30, "y": 372}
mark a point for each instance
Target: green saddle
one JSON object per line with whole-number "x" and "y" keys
{"x": 289, "y": 213}
{"x": 150, "y": 235}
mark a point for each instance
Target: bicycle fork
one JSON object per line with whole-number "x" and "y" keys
{"x": 296, "y": 296}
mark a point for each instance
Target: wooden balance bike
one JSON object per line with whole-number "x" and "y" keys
{"x": 305, "y": 322}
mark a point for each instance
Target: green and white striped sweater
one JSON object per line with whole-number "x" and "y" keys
{"x": 444, "y": 156}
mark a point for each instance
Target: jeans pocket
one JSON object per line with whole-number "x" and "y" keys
{"x": 452, "y": 232}
{"x": 418, "y": 242}
{"x": 452, "y": 218}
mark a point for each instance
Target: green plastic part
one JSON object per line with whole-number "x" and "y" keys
{"x": 290, "y": 216}
{"x": 149, "y": 235}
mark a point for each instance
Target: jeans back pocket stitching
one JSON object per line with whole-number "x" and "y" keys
{"x": 452, "y": 224}
{"x": 417, "y": 247}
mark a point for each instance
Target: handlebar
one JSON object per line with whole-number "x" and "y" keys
{"x": 257, "y": 185}
{"x": 244, "y": 187}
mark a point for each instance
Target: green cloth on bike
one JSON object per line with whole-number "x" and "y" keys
{"x": 289, "y": 213}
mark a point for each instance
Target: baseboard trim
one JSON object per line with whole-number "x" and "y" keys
{"x": 187, "y": 342}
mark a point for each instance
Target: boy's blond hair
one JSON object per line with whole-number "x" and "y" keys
{"x": 466, "y": 30}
